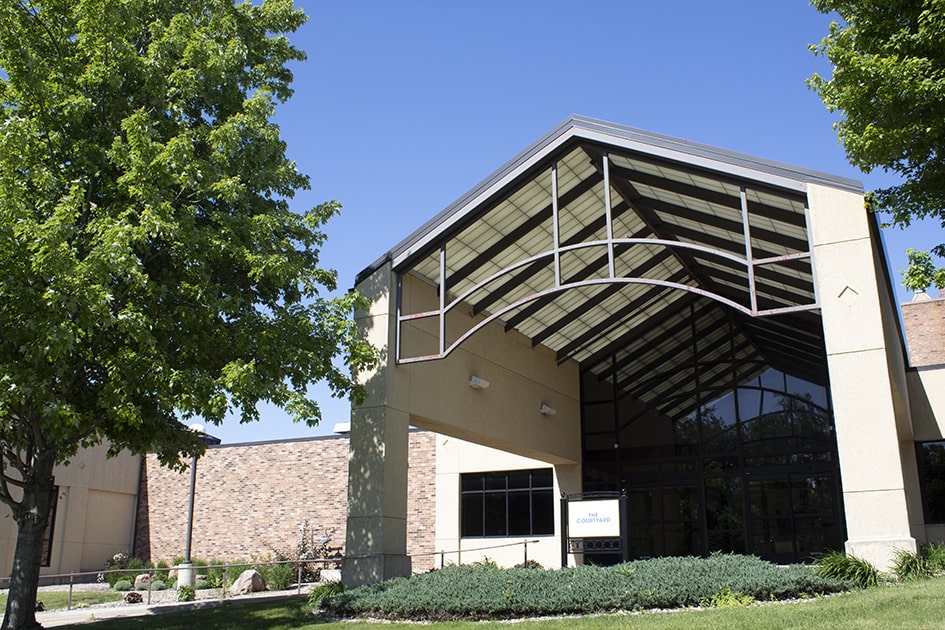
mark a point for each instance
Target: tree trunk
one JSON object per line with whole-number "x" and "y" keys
{"x": 31, "y": 517}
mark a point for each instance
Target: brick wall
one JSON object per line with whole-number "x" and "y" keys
{"x": 251, "y": 499}
{"x": 924, "y": 323}
{"x": 421, "y": 501}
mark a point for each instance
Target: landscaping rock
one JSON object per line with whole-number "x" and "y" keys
{"x": 142, "y": 581}
{"x": 134, "y": 598}
{"x": 249, "y": 581}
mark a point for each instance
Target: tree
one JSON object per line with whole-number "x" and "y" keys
{"x": 151, "y": 269}
{"x": 889, "y": 84}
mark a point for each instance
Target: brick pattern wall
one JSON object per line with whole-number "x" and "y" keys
{"x": 421, "y": 501}
{"x": 251, "y": 499}
{"x": 924, "y": 323}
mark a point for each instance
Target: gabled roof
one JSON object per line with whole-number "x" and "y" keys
{"x": 737, "y": 165}
{"x": 611, "y": 245}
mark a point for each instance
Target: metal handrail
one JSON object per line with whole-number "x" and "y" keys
{"x": 99, "y": 575}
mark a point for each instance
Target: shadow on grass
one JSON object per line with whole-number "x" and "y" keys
{"x": 284, "y": 613}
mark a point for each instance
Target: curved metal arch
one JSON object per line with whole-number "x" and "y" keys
{"x": 561, "y": 289}
{"x": 589, "y": 244}
{"x": 554, "y": 254}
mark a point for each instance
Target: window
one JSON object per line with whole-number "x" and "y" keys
{"x": 931, "y": 460}
{"x": 48, "y": 534}
{"x": 509, "y": 503}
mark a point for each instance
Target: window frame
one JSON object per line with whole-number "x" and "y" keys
{"x": 541, "y": 519}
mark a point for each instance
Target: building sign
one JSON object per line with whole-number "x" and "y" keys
{"x": 594, "y": 518}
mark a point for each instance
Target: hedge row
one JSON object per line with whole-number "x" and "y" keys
{"x": 481, "y": 591}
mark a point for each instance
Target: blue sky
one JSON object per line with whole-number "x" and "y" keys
{"x": 404, "y": 106}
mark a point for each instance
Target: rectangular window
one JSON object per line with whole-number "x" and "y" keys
{"x": 48, "y": 534}
{"x": 931, "y": 460}
{"x": 510, "y": 503}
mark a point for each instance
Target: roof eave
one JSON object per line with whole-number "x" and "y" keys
{"x": 735, "y": 164}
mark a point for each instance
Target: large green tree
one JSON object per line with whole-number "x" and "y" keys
{"x": 151, "y": 270}
{"x": 888, "y": 84}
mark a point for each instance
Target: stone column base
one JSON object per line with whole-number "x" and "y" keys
{"x": 880, "y": 552}
{"x": 358, "y": 570}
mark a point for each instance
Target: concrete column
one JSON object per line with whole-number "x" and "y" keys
{"x": 862, "y": 379}
{"x": 376, "y": 538}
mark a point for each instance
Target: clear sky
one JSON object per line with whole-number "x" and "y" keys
{"x": 404, "y": 106}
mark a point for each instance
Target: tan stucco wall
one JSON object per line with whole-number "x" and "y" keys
{"x": 454, "y": 457}
{"x": 436, "y": 395}
{"x": 94, "y": 514}
{"x": 521, "y": 379}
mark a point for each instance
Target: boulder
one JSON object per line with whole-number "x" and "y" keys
{"x": 142, "y": 581}
{"x": 134, "y": 598}
{"x": 249, "y": 581}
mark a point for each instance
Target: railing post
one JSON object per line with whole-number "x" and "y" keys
{"x": 150, "y": 582}
{"x": 223, "y": 585}
{"x": 298, "y": 583}
{"x": 525, "y": 545}
{"x": 69, "y": 602}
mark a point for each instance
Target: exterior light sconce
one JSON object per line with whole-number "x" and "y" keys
{"x": 478, "y": 383}
{"x": 547, "y": 410}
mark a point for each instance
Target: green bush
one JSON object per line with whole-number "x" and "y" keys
{"x": 278, "y": 577}
{"x": 847, "y": 568}
{"x": 137, "y": 563}
{"x": 201, "y": 584}
{"x": 725, "y": 598}
{"x": 158, "y": 585}
{"x": 934, "y": 553}
{"x": 113, "y": 575}
{"x": 214, "y": 572}
{"x": 123, "y": 585}
{"x": 908, "y": 565}
{"x": 322, "y": 591}
{"x": 186, "y": 593}
{"x": 484, "y": 591}
{"x": 928, "y": 562}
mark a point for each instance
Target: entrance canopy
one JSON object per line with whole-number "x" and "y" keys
{"x": 601, "y": 240}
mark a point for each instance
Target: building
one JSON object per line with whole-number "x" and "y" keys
{"x": 711, "y": 333}
{"x": 93, "y": 517}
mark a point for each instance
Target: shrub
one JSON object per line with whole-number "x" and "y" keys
{"x": 501, "y": 593}
{"x": 137, "y": 563}
{"x": 123, "y": 585}
{"x": 186, "y": 593}
{"x": 214, "y": 572}
{"x": 934, "y": 553}
{"x": 908, "y": 565}
{"x": 322, "y": 591}
{"x": 847, "y": 568}
{"x": 201, "y": 584}
{"x": 929, "y": 561}
{"x": 278, "y": 577}
{"x": 158, "y": 585}
{"x": 725, "y": 598}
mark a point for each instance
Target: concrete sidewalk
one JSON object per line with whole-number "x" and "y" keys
{"x": 54, "y": 618}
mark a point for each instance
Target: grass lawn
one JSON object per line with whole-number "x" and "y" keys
{"x": 55, "y": 600}
{"x": 913, "y": 605}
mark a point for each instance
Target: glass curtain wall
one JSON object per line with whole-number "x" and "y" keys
{"x": 749, "y": 467}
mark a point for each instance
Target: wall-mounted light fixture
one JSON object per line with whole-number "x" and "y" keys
{"x": 478, "y": 383}
{"x": 547, "y": 410}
